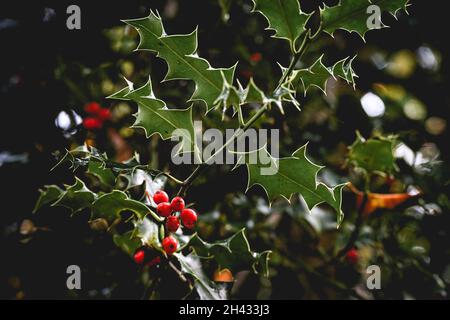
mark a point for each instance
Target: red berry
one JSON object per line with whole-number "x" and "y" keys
{"x": 352, "y": 256}
{"x": 92, "y": 123}
{"x": 172, "y": 223}
{"x": 139, "y": 257}
{"x": 104, "y": 114}
{"x": 170, "y": 245}
{"x": 189, "y": 218}
{"x": 92, "y": 108}
{"x": 177, "y": 204}
{"x": 164, "y": 209}
{"x": 256, "y": 57}
{"x": 160, "y": 196}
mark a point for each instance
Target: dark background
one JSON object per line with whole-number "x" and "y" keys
{"x": 31, "y": 97}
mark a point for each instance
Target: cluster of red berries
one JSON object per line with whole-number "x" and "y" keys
{"x": 97, "y": 116}
{"x": 173, "y": 211}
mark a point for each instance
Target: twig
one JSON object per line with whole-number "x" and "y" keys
{"x": 178, "y": 272}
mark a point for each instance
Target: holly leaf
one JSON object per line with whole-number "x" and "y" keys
{"x": 352, "y": 15}
{"x": 127, "y": 242}
{"x": 47, "y": 195}
{"x": 155, "y": 118}
{"x": 233, "y": 253}
{"x": 206, "y": 289}
{"x": 285, "y": 17}
{"x": 373, "y": 155}
{"x": 316, "y": 75}
{"x": 294, "y": 175}
{"x": 98, "y": 169}
{"x": 76, "y": 197}
{"x": 343, "y": 69}
{"x": 110, "y": 205}
{"x": 180, "y": 53}
{"x": 148, "y": 232}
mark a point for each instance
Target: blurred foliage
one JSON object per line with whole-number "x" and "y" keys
{"x": 401, "y": 90}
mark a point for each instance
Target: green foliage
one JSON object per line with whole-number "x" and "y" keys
{"x": 216, "y": 87}
{"x": 373, "y": 155}
{"x": 206, "y": 289}
{"x": 180, "y": 53}
{"x": 351, "y": 15}
{"x": 97, "y": 169}
{"x": 285, "y": 17}
{"x": 296, "y": 175}
{"x": 155, "y": 118}
{"x": 76, "y": 197}
{"x": 233, "y": 253}
{"x": 110, "y": 205}
{"x": 48, "y": 195}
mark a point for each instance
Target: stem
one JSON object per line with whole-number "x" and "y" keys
{"x": 114, "y": 165}
{"x": 178, "y": 272}
{"x": 201, "y": 167}
{"x": 354, "y": 235}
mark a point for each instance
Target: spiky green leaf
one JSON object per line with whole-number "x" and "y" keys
{"x": 155, "y": 118}
{"x": 97, "y": 169}
{"x": 76, "y": 197}
{"x": 48, "y": 195}
{"x": 316, "y": 75}
{"x": 180, "y": 53}
{"x": 110, "y": 205}
{"x": 373, "y": 155}
{"x": 127, "y": 242}
{"x": 353, "y": 15}
{"x": 285, "y": 17}
{"x": 233, "y": 253}
{"x": 206, "y": 289}
{"x": 294, "y": 175}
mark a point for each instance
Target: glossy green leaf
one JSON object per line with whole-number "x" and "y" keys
{"x": 155, "y": 118}
{"x": 294, "y": 175}
{"x": 233, "y": 253}
{"x": 97, "y": 169}
{"x": 76, "y": 197}
{"x": 373, "y": 155}
{"x": 343, "y": 69}
{"x": 285, "y": 17}
{"x": 110, "y": 205}
{"x": 352, "y": 15}
{"x": 315, "y": 76}
{"x": 206, "y": 289}
{"x": 180, "y": 53}
{"x": 148, "y": 232}
{"x": 127, "y": 242}
{"x": 48, "y": 195}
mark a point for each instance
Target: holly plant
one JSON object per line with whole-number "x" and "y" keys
{"x": 158, "y": 230}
